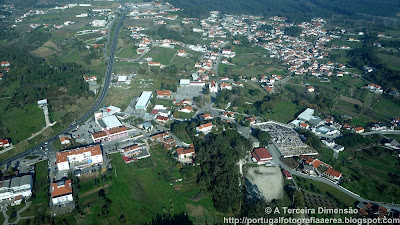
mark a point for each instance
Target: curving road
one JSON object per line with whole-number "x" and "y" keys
{"x": 96, "y": 106}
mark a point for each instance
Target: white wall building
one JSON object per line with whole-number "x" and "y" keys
{"x": 80, "y": 157}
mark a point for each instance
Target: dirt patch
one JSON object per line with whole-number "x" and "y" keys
{"x": 351, "y": 100}
{"x": 194, "y": 211}
{"x": 94, "y": 191}
{"x": 51, "y": 45}
{"x": 270, "y": 69}
{"x": 268, "y": 182}
{"x": 44, "y": 52}
{"x": 89, "y": 176}
{"x": 178, "y": 187}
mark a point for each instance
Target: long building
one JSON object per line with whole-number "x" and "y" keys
{"x": 109, "y": 135}
{"x": 79, "y": 158}
{"x": 13, "y": 190}
{"x": 144, "y": 100}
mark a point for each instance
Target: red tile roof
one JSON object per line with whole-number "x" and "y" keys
{"x": 63, "y": 156}
{"x": 61, "y": 190}
{"x": 164, "y": 93}
{"x": 261, "y": 154}
{"x": 333, "y": 173}
{"x": 184, "y": 151}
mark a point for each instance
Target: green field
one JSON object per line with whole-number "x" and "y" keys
{"x": 140, "y": 191}
{"x": 22, "y": 122}
{"x": 284, "y": 112}
{"x": 162, "y": 55}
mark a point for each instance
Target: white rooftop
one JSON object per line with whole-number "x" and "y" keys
{"x": 306, "y": 115}
{"x": 112, "y": 110}
{"x": 111, "y": 121}
{"x": 122, "y": 78}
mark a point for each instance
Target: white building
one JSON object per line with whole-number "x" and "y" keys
{"x": 213, "y": 87}
{"x": 14, "y": 189}
{"x": 144, "y": 100}
{"x": 99, "y": 23}
{"x": 61, "y": 192}
{"x": 205, "y": 128}
{"x": 79, "y": 158}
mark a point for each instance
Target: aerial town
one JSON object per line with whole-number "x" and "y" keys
{"x": 298, "y": 119}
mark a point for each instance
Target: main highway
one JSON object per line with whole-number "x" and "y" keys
{"x": 95, "y": 107}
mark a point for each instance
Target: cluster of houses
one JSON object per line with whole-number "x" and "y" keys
{"x": 16, "y": 189}
{"x": 315, "y": 167}
{"x": 134, "y": 152}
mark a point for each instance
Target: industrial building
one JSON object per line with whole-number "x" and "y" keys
{"x": 144, "y": 100}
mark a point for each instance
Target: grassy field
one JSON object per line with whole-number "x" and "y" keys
{"x": 162, "y": 55}
{"x": 394, "y": 136}
{"x": 22, "y": 122}
{"x": 284, "y": 112}
{"x": 142, "y": 190}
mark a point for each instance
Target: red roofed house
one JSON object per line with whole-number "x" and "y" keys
{"x": 4, "y": 143}
{"x": 304, "y": 125}
{"x": 358, "y": 130}
{"x": 186, "y": 109}
{"x": 310, "y": 89}
{"x": 270, "y": 90}
{"x": 206, "y": 117}
{"x": 251, "y": 119}
{"x": 261, "y": 156}
{"x": 61, "y": 192}
{"x": 164, "y": 94}
{"x": 131, "y": 150}
{"x": 205, "y": 128}
{"x": 65, "y": 140}
{"x": 333, "y": 174}
{"x": 225, "y": 86}
{"x": 287, "y": 174}
{"x": 79, "y": 158}
{"x": 185, "y": 153}
{"x": 5, "y": 63}
{"x": 162, "y": 119}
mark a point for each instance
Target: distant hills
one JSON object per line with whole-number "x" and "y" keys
{"x": 294, "y": 9}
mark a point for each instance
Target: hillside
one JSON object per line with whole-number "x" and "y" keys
{"x": 296, "y": 10}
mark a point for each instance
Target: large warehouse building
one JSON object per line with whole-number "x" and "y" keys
{"x": 144, "y": 100}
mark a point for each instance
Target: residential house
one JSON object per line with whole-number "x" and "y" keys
{"x": 61, "y": 192}
{"x": 310, "y": 89}
{"x": 162, "y": 119}
{"x": 225, "y": 86}
{"x": 206, "y": 117}
{"x": 205, "y": 128}
{"x": 5, "y": 63}
{"x": 358, "y": 130}
{"x": 186, "y": 109}
{"x": 184, "y": 153}
{"x": 131, "y": 150}
{"x": 251, "y": 119}
{"x": 65, "y": 140}
{"x": 333, "y": 174}
{"x": 164, "y": 94}
{"x": 4, "y": 143}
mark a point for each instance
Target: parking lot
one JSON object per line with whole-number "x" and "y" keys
{"x": 188, "y": 92}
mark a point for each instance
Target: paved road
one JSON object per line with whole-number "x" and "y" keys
{"x": 96, "y": 106}
{"x": 381, "y": 132}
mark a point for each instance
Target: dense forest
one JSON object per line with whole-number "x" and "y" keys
{"x": 31, "y": 78}
{"x": 295, "y": 10}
